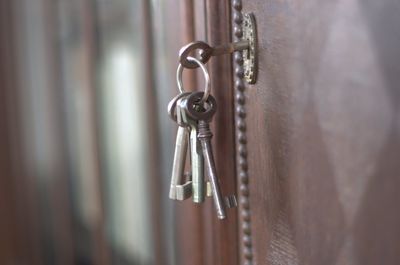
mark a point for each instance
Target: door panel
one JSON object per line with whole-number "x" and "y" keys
{"x": 211, "y": 241}
{"x": 319, "y": 143}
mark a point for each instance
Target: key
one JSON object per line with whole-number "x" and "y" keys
{"x": 197, "y": 160}
{"x": 204, "y": 135}
{"x": 180, "y": 189}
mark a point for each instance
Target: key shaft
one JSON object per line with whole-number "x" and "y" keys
{"x": 204, "y": 137}
{"x": 178, "y": 167}
{"x": 196, "y": 156}
{"x": 180, "y": 188}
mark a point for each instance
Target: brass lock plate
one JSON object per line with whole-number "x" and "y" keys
{"x": 250, "y": 61}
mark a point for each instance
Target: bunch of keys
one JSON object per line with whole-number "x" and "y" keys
{"x": 193, "y": 112}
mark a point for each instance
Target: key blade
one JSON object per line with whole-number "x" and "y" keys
{"x": 212, "y": 174}
{"x": 196, "y": 155}
{"x": 197, "y": 168}
{"x": 178, "y": 168}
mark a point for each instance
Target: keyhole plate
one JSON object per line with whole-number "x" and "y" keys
{"x": 250, "y": 62}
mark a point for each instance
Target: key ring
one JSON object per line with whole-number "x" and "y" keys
{"x": 207, "y": 87}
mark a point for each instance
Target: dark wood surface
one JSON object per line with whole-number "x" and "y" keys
{"x": 323, "y": 135}
{"x": 9, "y": 225}
{"x": 224, "y": 233}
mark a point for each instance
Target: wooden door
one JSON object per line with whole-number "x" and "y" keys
{"x": 318, "y": 136}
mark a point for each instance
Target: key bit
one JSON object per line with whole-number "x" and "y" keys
{"x": 183, "y": 191}
{"x": 230, "y": 201}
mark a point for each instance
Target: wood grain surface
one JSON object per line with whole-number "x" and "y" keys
{"x": 323, "y": 133}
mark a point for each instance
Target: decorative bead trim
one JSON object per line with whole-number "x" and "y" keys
{"x": 241, "y": 139}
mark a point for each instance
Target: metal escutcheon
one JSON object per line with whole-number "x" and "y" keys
{"x": 250, "y": 60}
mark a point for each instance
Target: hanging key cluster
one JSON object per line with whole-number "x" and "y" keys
{"x": 193, "y": 112}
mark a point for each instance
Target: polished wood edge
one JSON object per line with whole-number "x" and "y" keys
{"x": 241, "y": 141}
{"x": 224, "y": 235}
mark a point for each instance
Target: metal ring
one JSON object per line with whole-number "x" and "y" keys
{"x": 172, "y": 105}
{"x": 205, "y": 114}
{"x": 195, "y": 45}
{"x": 207, "y": 87}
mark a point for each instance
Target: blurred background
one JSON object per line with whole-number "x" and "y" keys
{"x": 84, "y": 132}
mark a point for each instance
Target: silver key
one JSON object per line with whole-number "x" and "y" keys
{"x": 204, "y": 117}
{"x": 180, "y": 188}
{"x": 196, "y": 155}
